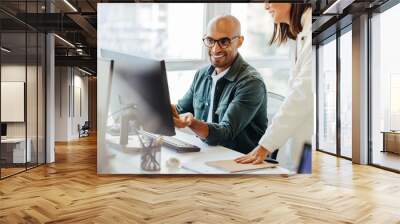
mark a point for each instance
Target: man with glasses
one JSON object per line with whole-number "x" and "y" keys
{"x": 228, "y": 97}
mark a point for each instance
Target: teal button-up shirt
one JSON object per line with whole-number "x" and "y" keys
{"x": 240, "y": 105}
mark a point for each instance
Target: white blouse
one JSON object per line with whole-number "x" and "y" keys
{"x": 293, "y": 124}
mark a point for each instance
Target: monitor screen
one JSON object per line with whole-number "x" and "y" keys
{"x": 139, "y": 91}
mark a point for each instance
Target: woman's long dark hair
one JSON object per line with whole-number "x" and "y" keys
{"x": 283, "y": 31}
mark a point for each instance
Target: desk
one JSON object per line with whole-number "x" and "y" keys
{"x": 16, "y": 153}
{"x": 391, "y": 141}
{"x": 118, "y": 161}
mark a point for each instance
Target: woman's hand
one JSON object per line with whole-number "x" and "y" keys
{"x": 258, "y": 155}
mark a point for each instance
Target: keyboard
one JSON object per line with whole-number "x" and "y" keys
{"x": 173, "y": 143}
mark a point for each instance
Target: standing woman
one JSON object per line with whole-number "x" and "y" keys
{"x": 292, "y": 126}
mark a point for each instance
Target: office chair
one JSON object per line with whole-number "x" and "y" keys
{"x": 274, "y": 102}
{"x": 84, "y": 130}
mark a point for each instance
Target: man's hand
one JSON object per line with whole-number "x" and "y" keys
{"x": 188, "y": 120}
{"x": 174, "y": 111}
{"x": 183, "y": 120}
{"x": 258, "y": 155}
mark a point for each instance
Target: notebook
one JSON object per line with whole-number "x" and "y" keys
{"x": 231, "y": 166}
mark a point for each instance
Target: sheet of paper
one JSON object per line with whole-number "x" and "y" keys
{"x": 232, "y": 167}
{"x": 202, "y": 168}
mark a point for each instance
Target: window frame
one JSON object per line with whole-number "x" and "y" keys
{"x": 334, "y": 37}
{"x": 371, "y": 15}
{"x": 210, "y": 11}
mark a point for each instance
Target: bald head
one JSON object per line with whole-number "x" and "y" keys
{"x": 224, "y": 24}
{"x": 226, "y": 31}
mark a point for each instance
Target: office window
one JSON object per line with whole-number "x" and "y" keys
{"x": 275, "y": 79}
{"x": 175, "y": 80}
{"x": 257, "y": 28}
{"x": 153, "y": 30}
{"x": 327, "y": 97}
{"x": 385, "y": 86}
{"x": 346, "y": 94}
{"x": 395, "y": 102}
{"x": 167, "y": 35}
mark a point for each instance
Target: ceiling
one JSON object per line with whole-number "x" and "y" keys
{"x": 333, "y": 15}
{"x": 76, "y": 22}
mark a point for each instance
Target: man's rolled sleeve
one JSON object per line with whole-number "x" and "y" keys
{"x": 216, "y": 133}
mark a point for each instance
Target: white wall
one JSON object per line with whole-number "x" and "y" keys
{"x": 82, "y": 83}
{"x": 16, "y": 73}
{"x": 33, "y": 126}
{"x": 70, "y": 83}
{"x": 80, "y": 109}
{"x": 61, "y": 103}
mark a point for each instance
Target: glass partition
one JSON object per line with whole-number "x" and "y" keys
{"x": 346, "y": 94}
{"x": 41, "y": 91}
{"x": 14, "y": 153}
{"x": 23, "y": 91}
{"x": 327, "y": 97}
{"x": 385, "y": 90}
{"x": 31, "y": 99}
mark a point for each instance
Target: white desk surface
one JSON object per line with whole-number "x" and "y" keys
{"x": 20, "y": 153}
{"x": 117, "y": 161}
{"x": 13, "y": 140}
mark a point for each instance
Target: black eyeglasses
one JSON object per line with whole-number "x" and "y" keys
{"x": 223, "y": 42}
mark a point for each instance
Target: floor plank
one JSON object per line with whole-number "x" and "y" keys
{"x": 70, "y": 191}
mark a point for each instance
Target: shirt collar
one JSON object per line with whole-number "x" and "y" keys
{"x": 233, "y": 71}
{"x": 221, "y": 74}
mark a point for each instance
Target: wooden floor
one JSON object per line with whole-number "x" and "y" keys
{"x": 10, "y": 171}
{"x": 70, "y": 191}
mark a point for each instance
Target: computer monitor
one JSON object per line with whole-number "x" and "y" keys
{"x": 139, "y": 94}
{"x": 3, "y": 129}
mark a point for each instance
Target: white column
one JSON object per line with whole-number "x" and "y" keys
{"x": 314, "y": 88}
{"x": 50, "y": 99}
{"x": 360, "y": 90}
